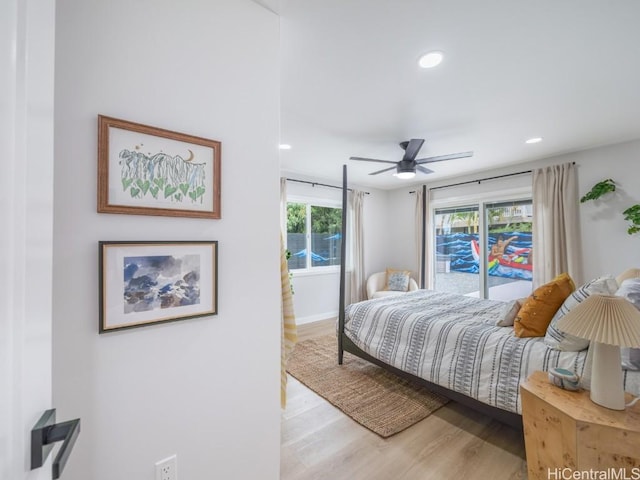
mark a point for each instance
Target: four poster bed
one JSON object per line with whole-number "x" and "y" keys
{"x": 450, "y": 344}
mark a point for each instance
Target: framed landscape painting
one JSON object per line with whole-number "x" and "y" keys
{"x": 145, "y": 170}
{"x": 143, "y": 283}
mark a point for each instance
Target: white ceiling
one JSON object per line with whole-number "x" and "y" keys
{"x": 564, "y": 70}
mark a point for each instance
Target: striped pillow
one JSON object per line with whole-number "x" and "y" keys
{"x": 559, "y": 340}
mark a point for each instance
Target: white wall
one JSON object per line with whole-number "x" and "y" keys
{"x": 606, "y": 245}
{"x": 607, "y": 248}
{"x": 205, "y": 389}
{"x": 26, "y": 193}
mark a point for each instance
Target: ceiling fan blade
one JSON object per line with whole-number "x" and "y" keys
{"x": 441, "y": 158}
{"x": 412, "y": 148}
{"x": 384, "y": 170}
{"x": 423, "y": 170}
{"x": 362, "y": 159}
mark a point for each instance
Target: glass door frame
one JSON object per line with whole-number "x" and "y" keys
{"x": 481, "y": 201}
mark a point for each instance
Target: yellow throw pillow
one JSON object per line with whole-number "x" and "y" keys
{"x": 397, "y": 280}
{"x": 565, "y": 277}
{"x": 534, "y": 316}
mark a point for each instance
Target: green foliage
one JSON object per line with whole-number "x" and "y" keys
{"x": 632, "y": 214}
{"x": 139, "y": 189}
{"x": 599, "y": 189}
{"x": 326, "y": 219}
{"x": 323, "y": 219}
{"x": 296, "y": 217}
{"x": 516, "y": 227}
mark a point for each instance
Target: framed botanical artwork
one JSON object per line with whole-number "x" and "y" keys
{"x": 146, "y": 170}
{"x": 143, "y": 283}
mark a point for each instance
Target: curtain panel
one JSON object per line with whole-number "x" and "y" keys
{"x": 288, "y": 329}
{"x": 424, "y": 253}
{"x": 358, "y": 283}
{"x": 556, "y": 224}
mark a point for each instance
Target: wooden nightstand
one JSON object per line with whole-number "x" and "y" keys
{"x": 564, "y": 429}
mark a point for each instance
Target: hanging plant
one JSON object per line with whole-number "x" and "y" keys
{"x": 632, "y": 214}
{"x": 288, "y": 256}
{"x": 599, "y": 189}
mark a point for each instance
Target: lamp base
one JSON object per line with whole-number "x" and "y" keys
{"x": 607, "y": 388}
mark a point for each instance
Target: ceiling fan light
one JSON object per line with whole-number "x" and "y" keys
{"x": 406, "y": 175}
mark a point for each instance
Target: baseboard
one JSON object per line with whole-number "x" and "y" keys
{"x": 316, "y": 318}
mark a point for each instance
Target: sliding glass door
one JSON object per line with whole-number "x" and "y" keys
{"x": 456, "y": 244}
{"x": 509, "y": 243}
{"x": 484, "y": 250}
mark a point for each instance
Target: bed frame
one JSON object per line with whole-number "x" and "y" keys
{"x": 345, "y": 344}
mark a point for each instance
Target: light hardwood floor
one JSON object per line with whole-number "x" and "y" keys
{"x": 321, "y": 443}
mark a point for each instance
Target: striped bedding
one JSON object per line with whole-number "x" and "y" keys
{"x": 452, "y": 340}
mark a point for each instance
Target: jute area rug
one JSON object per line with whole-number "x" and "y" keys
{"x": 378, "y": 400}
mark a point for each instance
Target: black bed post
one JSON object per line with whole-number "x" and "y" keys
{"x": 424, "y": 237}
{"x": 343, "y": 255}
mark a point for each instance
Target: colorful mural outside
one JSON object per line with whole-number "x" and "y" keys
{"x": 509, "y": 254}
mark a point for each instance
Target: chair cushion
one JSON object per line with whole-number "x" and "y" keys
{"x": 397, "y": 280}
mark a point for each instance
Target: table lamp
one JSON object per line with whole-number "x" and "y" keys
{"x": 609, "y": 322}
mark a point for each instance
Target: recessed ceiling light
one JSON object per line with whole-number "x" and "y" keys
{"x": 285, "y": 146}
{"x": 431, "y": 59}
{"x": 534, "y": 140}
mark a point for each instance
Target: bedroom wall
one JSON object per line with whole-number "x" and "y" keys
{"x": 205, "y": 389}
{"x": 607, "y": 248}
{"x": 606, "y": 245}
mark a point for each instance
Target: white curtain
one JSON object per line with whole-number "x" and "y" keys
{"x": 288, "y": 329}
{"x": 358, "y": 284}
{"x": 423, "y": 255}
{"x": 556, "y": 226}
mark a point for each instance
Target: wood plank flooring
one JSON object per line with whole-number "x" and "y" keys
{"x": 321, "y": 443}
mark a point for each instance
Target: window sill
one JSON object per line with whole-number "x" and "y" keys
{"x": 315, "y": 271}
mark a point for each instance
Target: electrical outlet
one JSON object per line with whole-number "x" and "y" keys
{"x": 167, "y": 469}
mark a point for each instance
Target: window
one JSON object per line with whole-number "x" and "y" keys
{"x": 314, "y": 235}
{"x": 503, "y": 231}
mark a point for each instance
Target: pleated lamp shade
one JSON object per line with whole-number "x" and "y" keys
{"x": 631, "y": 273}
{"x": 605, "y": 319}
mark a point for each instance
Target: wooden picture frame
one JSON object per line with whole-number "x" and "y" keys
{"x": 145, "y": 170}
{"x": 143, "y": 283}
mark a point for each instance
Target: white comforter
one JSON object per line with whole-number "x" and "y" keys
{"x": 452, "y": 340}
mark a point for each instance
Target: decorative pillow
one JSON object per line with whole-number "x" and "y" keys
{"x": 630, "y": 289}
{"x": 630, "y": 358}
{"x": 535, "y": 315}
{"x": 509, "y": 313}
{"x": 397, "y": 280}
{"x": 559, "y": 340}
{"x": 630, "y": 273}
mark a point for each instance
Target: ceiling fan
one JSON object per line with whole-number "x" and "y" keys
{"x": 407, "y": 167}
